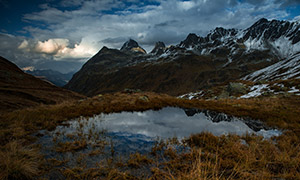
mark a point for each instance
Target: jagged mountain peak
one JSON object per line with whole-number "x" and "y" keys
{"x": 133, "y": 46}
{"x": 281, "y": 38}
{"x": 103, "y": 49}
{"x": 273, "y": 30}
{"x": 128, "y": 45}
{"x": 159, "y": 48}
{"x": 222, "y": 31}
{"x": 191, "y": 40}
{"x": 260, "y": 21}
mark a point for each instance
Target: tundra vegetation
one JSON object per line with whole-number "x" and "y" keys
{"x": 205, "y": 156}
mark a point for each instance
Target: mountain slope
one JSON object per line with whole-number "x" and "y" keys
{"x": 195, "y": 63}
{"x": 19, "y": 90}
{"x": 285, "y": 69}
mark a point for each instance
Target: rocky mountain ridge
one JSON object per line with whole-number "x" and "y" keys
{"x": 279, "y": 37}
{"x": 195, "y": 63}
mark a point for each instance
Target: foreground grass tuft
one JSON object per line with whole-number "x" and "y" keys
{"x": 19, "y": 162}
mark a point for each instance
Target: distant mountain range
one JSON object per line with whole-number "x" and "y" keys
{"x": 266, "y": 50}
{"x": 55, "y": 77}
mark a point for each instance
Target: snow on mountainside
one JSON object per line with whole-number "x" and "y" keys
{"x": 196, "y": 63}
{"x": 285, "y": 69}
{"x": 280, "y": 38}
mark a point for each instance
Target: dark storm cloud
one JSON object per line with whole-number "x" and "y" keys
{"x": 4, "y": 3}
{"x": 77, "y": 29}
{"x": 114, "y": 40}
{"x": 167, "y": 23}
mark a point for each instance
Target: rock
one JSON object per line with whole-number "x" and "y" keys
{"x": 133, "y": 46}
{"x": 190, "y": 40}
{"x": 223, "y": 95}
{"x": 236, "y": 88}
{"x": 130, "y": 91}
{"x": 144, "y": 98}
{"x": 159, "y": 48}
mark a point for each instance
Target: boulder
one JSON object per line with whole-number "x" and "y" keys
{"x": 236, "y": 88}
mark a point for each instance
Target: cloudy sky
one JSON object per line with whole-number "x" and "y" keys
{"x": 63, "y": 34}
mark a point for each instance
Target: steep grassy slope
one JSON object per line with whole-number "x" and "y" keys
{"x": 19, "y": 90}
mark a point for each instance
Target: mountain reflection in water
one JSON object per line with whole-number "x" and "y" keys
{"x": 137, "y": 131}
{"x": 172, "y": 122}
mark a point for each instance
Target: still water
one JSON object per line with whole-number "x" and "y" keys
{"x": 137, "y": 131}
{"x": 172, "y": 122}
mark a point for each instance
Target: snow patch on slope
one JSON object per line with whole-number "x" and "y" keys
{"x": 285, "y": 69}
{"x": 192, "y": 95}
{"x": 293, "y": 90}
{"x": 285, "y": 47}
{"x": 255, "y": 91}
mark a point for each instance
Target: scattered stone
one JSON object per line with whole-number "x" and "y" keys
{"x": 223, "y": 95}
{"x": 144, "y": 98}
{"x": 236, "y": 88}
{"x": 130, "y": 91}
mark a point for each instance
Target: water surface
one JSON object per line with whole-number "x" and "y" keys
{"x": 137, "y": 131}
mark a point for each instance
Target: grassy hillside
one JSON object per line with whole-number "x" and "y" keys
{"x": 19, "y": 90}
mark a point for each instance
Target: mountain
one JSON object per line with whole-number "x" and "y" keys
{"x": 278, "y": 38}
{"x": 195, "y": 63}
{"x": 132, "y": 46}
{"x": 285, "y": 69}
{"x": 159, "y": 48}
{"x": 55, "y": 77}
{"x": 19, "y": 89}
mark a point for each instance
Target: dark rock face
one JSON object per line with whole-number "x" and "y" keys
{"x": 132, "y": 46}
{"x": 159, "y": 48}
{"x": 196, "y": 63}
{"x": 105, "y": 61}
{"x": 190, "y": 41}
{"x": 236, "y": 88}
{"x": 127, "y": 46}
{"x": 272, "y": 30}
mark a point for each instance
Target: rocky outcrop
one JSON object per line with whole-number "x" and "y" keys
{"x": 236, "y": 88}
{"x": 132, "y": 46}
{"x": 159, "y": 48}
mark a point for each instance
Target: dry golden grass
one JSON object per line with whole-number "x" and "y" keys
{"x": 71, "y": 146}
{"x": 19, "y": 162}
{"x": 211, "y": 157}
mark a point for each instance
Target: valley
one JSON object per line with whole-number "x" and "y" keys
{"x": 223, "y": 106}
